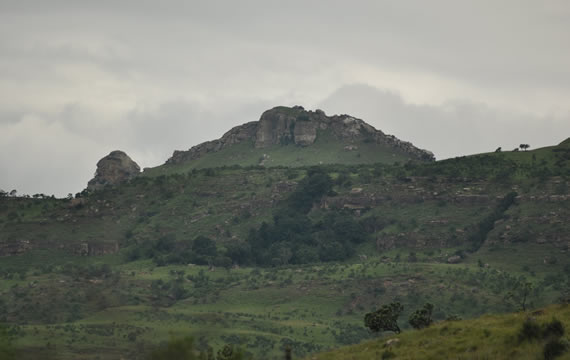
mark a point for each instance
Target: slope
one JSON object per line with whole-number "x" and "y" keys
{"x": 487, "y": 337}
{"x": 295, "y": 137}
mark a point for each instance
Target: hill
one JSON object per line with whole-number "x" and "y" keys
{"x": 270, "y": 256}
{"x": 295, "y": 137}
{"x": 487, "y": 337}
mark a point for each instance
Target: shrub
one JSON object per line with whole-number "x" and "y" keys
{"x": 422, "y": 318}
{"x": 385, "y": 318}
{"x": 554, "y": 328}
{"x": 554, "y": 348}
{"x": 530, "y": 330}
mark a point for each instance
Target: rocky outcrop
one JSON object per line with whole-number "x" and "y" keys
{"x": 236, "y": 135}
{"x": 283, "y": 125}
{"x": 115, "y": 168}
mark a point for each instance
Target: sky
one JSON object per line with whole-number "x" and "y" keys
{"x": 79, "y": 79}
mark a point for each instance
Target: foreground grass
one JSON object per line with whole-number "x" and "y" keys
{"x": 487, "y": 337}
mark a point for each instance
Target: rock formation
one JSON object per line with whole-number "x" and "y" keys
{"x": 115, "y": 168}
{"x": 283, "y": 125}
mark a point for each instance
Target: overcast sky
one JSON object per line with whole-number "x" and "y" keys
{"x": 79, "y": 79}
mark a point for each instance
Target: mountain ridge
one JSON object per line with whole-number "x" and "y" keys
{"x": 282, "y": 126}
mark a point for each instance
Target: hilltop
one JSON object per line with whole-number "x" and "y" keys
{"x": 296, "y": 137}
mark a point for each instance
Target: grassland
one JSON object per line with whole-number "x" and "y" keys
{"x": 107, "y": 304}
{"x": 487, "y": 337}
{"x": 326, "y": 150}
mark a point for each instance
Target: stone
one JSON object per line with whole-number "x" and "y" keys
{"x": 392, "y": 342}
{"x": 115, "y": 168}
{"x": 454, "y": 259}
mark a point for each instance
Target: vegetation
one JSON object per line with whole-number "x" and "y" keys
{"x": 508, "y": 336}
{"x": 422, "y": 318}
{"x": 385, "y": 318}
{"x": 276, "y": 258}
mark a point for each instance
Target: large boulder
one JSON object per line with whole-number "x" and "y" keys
{"x": 113, "y": 169}
{"x": 275, "y": 127}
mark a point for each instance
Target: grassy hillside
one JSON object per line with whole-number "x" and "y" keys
{"x": 487, "y": 337}
{"x": 117, "y": 272}
{"x": 326, "y": 150}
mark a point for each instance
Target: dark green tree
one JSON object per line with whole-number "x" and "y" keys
{"x": 421, "y": 318}
{"x": 385, "y": 318}
{"x": 204, "y": 246}
{"x": 229, "y": 352}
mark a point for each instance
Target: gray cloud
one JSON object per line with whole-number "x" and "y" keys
{"x": 82, "y": 78}
{"x": 458, "y": 127}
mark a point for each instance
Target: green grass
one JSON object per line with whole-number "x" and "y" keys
{"x": 487, "y": 337}
{"x": 315, "y": 307}
{"x": 326, "y": 150}
{"x": 47, "y": 294}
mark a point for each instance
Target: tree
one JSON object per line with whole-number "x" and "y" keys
{"x": 385, "y": 318}
{"x": 520, "y": 294}
{"x": 421, "y": 318}
{"x": 229, "y": 352}
{"x": 524, "y": 146}
{"x": 204, "y": 246}
{"x": 499, "y": 149}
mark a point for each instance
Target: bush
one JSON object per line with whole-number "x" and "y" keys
{"x": 385, "y": 318}
{"x": 422, "y": 318}
{"x": 530, "y": 330}
{"x": 554, "y": 328}
{"x": 554, "y": 348}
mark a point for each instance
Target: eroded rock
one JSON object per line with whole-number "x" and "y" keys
{"x": 113, "y": 169}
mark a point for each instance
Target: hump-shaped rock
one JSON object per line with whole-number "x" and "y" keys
{"x": 115, "y": 168}
{"x": 294, "y": 125}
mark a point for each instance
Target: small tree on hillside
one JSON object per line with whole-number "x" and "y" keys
{"x": 385, "y": 318}
{"x": 524, "y": 146}
{"x": 421, "y": 318}
{"x": 520, "y": 294}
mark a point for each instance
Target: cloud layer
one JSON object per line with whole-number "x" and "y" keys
{"x": 80, "y": 79}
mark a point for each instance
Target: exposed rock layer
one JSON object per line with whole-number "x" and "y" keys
{"x": 282, "y": 125}
{"x": 115, "y": 168}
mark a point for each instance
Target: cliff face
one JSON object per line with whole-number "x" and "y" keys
{"x": 282, "y": 125}
{"x": 115, "y": 168}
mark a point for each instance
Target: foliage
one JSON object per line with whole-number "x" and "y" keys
{"x": 554, "y": 348}
{"x": 294, "y": 238}
{"x": 180, "y": 349}
{"x": 520, "y": 293}
{"x": 7, "y": 350}
{"x": 385, "y": 318}
{"x": 487, "y": 337}
{"x": 477, "y": 238}
{"x": 230, "y": 352}
{"x": 421, "y": 318}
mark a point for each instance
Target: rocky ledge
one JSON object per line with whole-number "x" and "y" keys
{"x": 283, "y": 125}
